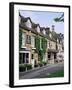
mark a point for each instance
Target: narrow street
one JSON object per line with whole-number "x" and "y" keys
{"x": 42, "y": 72}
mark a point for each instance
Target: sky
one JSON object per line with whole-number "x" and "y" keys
{"x": 45, "y": 19}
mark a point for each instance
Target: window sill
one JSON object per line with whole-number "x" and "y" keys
{"x": 24, "y": 47}
{"x": 33, "y": 48}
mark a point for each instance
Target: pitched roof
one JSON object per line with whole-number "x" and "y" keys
{"x": 24, "y": 19}
{"x": 47, "y": 29}
{"x": 34, "y": 25}
{"x": 27, "y": 28}
{"x": 60, "y": 36}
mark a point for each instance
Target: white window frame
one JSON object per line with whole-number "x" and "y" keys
{"x": 26, "y": 52}
{"x": 33, "y": 41}
{"x": 23, "y": 40}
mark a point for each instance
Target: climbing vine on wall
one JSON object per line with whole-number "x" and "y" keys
{"x": 37, "y": 44}
{"x": 44, "y": 44}
{"x": 40, "y": 50}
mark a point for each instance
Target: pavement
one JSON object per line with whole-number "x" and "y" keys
{"x": 42, "y": 71}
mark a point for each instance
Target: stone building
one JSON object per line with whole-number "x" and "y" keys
{"x": 36, "y": 44}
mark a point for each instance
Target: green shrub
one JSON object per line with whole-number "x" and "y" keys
{"x": 40, "y": 64}
{"x": 44, "y": 63}
{"x": 22, "y": 68}
{"x": 29, "y": 66}
{"x": 36, "y": 65}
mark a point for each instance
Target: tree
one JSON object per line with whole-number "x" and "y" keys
{"x": 59, "y": 19}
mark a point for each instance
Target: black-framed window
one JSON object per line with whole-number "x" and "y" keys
{"x": 49, "y": 55}
{"x": 54, "y": 55}
{"x": 20, "y": 58}
{"x": 23, "y": 58}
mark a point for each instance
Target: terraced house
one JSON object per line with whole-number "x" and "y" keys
{"x": 37, "y": 44}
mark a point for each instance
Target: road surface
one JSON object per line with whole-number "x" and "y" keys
{"x": 42, "y": 72}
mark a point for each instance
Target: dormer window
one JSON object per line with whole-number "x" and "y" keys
{"x": 44, "y": 31}
{"x": 28, "y": 23}
{"x": 38, "y": 29}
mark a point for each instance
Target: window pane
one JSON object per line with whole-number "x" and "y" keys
{"x": 32, "y": 41}
{"x": 49, "y": 55}
{"x": 23, "y": 57}
{"x": 20, "y": 58}
{"x": 27, "y": 57}
{"x": 55, "y": 56}
{"x": 28, "y": 39}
